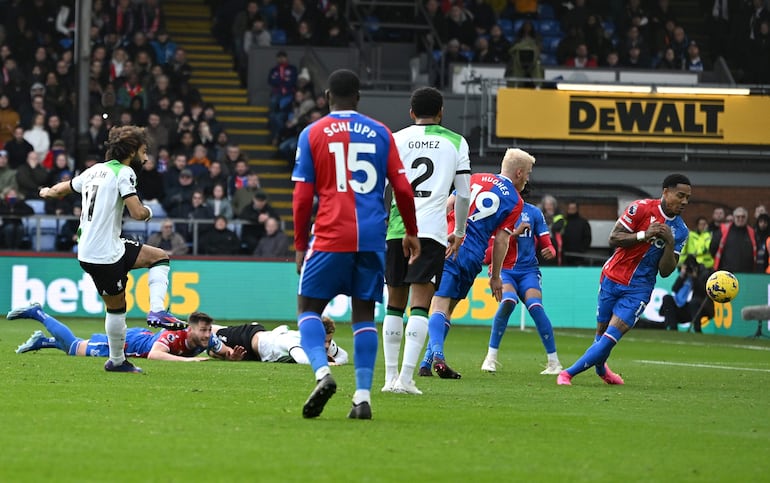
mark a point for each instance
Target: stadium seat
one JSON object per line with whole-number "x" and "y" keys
{"x": 549, "y": 27}
{"x": 157, "y": 209}
{"x": 548, "y": 58}
{"x": 134, "y": 230}
{"x": 278, "y": 37}
{"x": 545, "y": 12}
{"x": 550, "y": 44}
{"x": 372, "y": 24}
{"x": 49, "y": 229}
{"x": 517, "y": 26}
{"x": 37, "y": 205}
{"x": 468, "y": 55}
{"x": 507, "y": 26}
{"x": 609, "y": 27}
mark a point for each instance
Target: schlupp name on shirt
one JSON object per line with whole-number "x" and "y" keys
{"x": 347, "y": 126}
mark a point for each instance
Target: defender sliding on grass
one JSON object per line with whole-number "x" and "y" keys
{"x": 648, "y": 238}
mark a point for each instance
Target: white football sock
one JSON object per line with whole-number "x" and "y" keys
{"x": 392, "y": 333}
{"x": 552, "y": 357}
{"x": 416, "y": 331}
{"x": 322, "y": 372}
{"x": 157, "y": 279}
{"x": 361, "y": 395}
{"x": 115, "y": 327}
{"x": 492, "y": 353}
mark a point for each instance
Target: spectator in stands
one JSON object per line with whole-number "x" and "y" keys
{"x": 9, "y": 119}
{"x": 239, "y": 178}
{"x": 450, "y": 56}
{"x": 694, "y": 62}
{"x": 288, "y": 147}
{"x": 437, "y": 19}
{"x": 232, "y": 155}
{"x": 282, "y": 80}
{"x": 680, "y": 43}
{"x": 688, "y": 301}
{"x": 759, "y": 55}
{"x": 517, "y": 9}
{"x": 242, "y": 197}
{"x": 717, "y": 219}
{"x": 220, "y": 240}
{"x": 185, "y": 143}
{"x": 7, "y": 174}
{"x": 595, "y": 37}
{"x": 157, "y": 133}
{"x": 481, "y": 52}
{"x": 256, "y": 36}
{"x": 762, "y": 235}
{"x": 498, "y": 45}
{"x": 576, "y": 16}
{"x": 196, "y": 210}
{"x": 164, "y": 47}
{"x": 124, "y": 21}
{"x": 334, "y": 27}
{"x": 13, "y": 209}
{"x": 214, "y": 177}
{"x": 612, "y": 61}
{"x": 30, "y": 176}
{"x": 219, "y": 203}
{"x": 67, "y": 238}
{"x": 483, "y": 16}
{"x": 305, "y": 34}
{"x": 699, "y": 243}
{"x": 167, "y": 239}
{"x": 299, "y": 11}
{"x": 179, "y": 71}
{"x": 758, "y": 210}
{"x": 275, "y": 243}
{"x": 59, "y": 131}
{"x": 38, "y": 137}
{"x": 199, "y": 163}
{"x": 555, "y": 221}
{"x": 734, "y": 244}
{"x": 254, "y": 217}
{"x": 460, "y": 27}
{"x": 210, "y": 116}
{"x": 59, "y": 164}
{"x": 576, "y": 236}
{"x": 669, "y": 61}
{"x": 635, "y": 59}
{"x": 149, "y": 182}
{"x": 568, "y": 44}
{"x": 150, "y": 18}
{"x": 178, "y": 199}
{"x": 581, "y": 59}
{"x": 242, "y": 23}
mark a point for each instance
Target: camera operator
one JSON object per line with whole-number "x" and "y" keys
{"x": 688, "y": 301}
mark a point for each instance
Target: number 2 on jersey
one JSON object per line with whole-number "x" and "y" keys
{"x": 343, "y": 163}
{"x": 485, "y": 204}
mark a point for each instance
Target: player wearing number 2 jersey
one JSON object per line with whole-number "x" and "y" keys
{"x": 345, "y": 158}
{"x": 495, "y": 207}
{"x": 107, "y": 188}
{"x": 435, "y": 158}
{"x": 647, "y": 238}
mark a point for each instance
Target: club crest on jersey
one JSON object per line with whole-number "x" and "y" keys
{"x": 632, "y": 209}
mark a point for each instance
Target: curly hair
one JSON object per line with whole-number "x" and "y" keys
{"x": 124, "y": 140}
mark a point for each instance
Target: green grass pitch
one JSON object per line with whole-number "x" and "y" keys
{"x": 694, "y": 408}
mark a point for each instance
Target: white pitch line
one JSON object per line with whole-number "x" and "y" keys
{"x": 706, "y": 366}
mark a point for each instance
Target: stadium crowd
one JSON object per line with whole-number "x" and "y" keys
{"x": 140, "y": 75}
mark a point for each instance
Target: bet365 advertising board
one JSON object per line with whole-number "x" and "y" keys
{"x": 266, "y": 291}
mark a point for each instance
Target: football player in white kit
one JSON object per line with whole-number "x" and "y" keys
{"x": 107, "y": 188}
{"x": 435, "y": 159}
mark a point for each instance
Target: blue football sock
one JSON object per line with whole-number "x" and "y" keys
{"x": 61, "y": 332}
{"x": 500, "y": 322}
{"x": 543, "y": 324}
{"x": 364, "y": 353}
{"x": 427, "y": 360}
{"x": 313, "y": 339}
{"x": 598, "y": 352}
{"x": 437, "y": 333}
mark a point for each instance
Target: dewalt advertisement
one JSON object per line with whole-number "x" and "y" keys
{"x": 622, "y": 117}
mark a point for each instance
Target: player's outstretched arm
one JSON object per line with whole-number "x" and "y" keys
{"x": 227, "y": 353}
{"x": 59, "y": 190}
{"x": 159, "y": 352}
{"x": 137, "y": 210}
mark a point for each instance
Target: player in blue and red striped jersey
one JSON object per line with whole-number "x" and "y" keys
{"x": 167, "y": 345}
{"x": 648, "y": 238}
{"x": 522, "y": 280}
{"x": 345, "y": 159}
{"x": 495, "y": 207}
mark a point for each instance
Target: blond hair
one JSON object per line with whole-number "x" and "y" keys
{"x": 514, "y": 159}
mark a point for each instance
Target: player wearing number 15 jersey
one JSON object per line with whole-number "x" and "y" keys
{"x": 495, "y": 207}
{"x": 434, "y": 158}
{"x": 345, "y": 158}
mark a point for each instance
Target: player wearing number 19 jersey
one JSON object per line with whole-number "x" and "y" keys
{"x": 495, "y": 207}
{"x": 435, "y": 158}
{"x": 648, "y": 238}
{"x": 344, "y": 158}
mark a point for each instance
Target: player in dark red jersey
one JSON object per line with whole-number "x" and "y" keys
{"x": 648, "y": 238}
{"x": 344, "y": 159}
